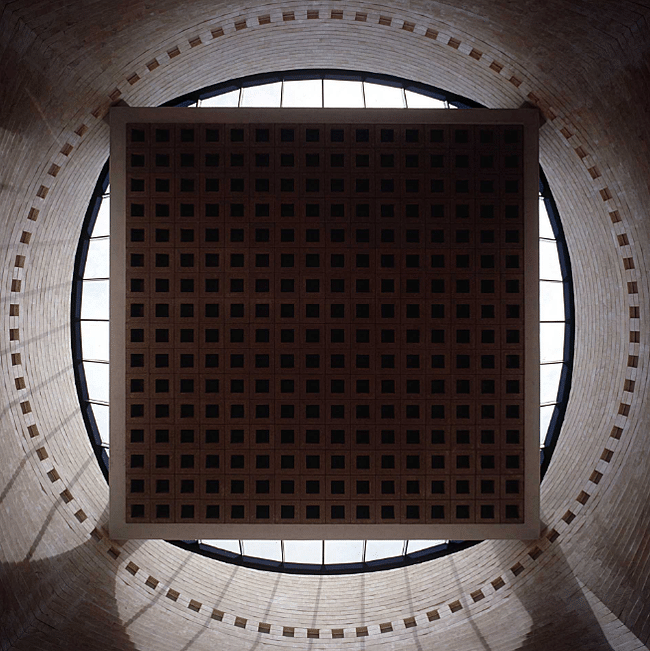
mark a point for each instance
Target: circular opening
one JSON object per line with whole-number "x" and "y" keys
{"x": 328, "y": 89}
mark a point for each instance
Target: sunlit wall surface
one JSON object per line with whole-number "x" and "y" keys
{"x": 91, "y": 313}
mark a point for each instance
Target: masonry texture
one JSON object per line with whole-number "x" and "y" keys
{"x": 582, "y": 584}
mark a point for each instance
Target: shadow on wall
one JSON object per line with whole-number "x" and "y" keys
{"x": 60, "y": 602}
{"x": 561, "y": 616}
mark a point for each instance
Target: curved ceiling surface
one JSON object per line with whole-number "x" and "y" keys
{"x": 67, "y": 585}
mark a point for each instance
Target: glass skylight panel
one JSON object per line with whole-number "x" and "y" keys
{"x": 303, "y": 93}
{"x": 418, "y": 100}
{"x": 97, "y": 263}
{"x": 103, "y": 221}
{"x": 551, "y": 342}
{"x": 549, "y": 380}
{"x": 303, "y": 551}
{"x": 551, "y": 301}
{"x": 343, "y": 551}
{"x": 376, "y": 549}
{"x": 380, "y": 96}
{"x": 549, "y": 261}
{"x": 342, "y": 94}
{"x": 545, "y": 415}
{"x": 94, "y": 300}
{"x": 230, "y": 99}
{"x": 101, "y": 413}
{"x": 270, "y": 549}
{"x": 266, "y": 95}
{"x": 94, "y": 337}
{"x": 97, "y": 380}
{"x": 418, "y": 545}
{"x": 545, "y": 228}
{"x": 228, "y": 545}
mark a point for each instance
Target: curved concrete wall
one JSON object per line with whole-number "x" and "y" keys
{"x": 582, "y": 585}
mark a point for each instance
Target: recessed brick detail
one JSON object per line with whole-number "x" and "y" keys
{"x": 361, "y": 17}
{"x": 431, "y": 33}
{"x": 196, "y": 607}
{"x": 42, "y": 454}
{"x": 217, "y": 32}
{"x": 455, "y": 606}
{"x": 133, "y": 79}
{"x": 453, "y": 43}
{"x": 264, "y": 20}
{"x": 336, "y": 14}
{"x": 264, "y": 628}
{"x": 476, "y": 54}
{"x": 517, "y": 569}
{"x": 409, "y": 622}
{"x": 42, "y": 192}
{"x": 218, "y": 615}
{"x": 33, "y": 214}
{"x": 195, "y": 42}
{"x": 313, "y": 14}
{"x": 66, "y": 150}
{"x": 535, "y": 553}
{"x": 174, "y": 595}
{"x": 553, "y": 535}
{"x": 132, "y": 568}
{"x": 66, "y": 496}
{"x": 240, "y": 24}
{"x": 596, "y": 476}
{"x": 152, "y": 65}
{"x": 385, "y": 20}
{"x": 497, "y": 67}
{"x": 53, "y": 475}
{"x": 385, "y": 628}
{"x": 498, "y": 583}
{"x": 477, "y": 595}
{"x": 151, "y": 582}
{"x": 433, "y": 615}
{"x": 362, "y": 631}
{"x": 33, "y": 431}
{"x": 583, "y": 497}
{"x": 408, "y": 27}
{"x": 616, "y": 432}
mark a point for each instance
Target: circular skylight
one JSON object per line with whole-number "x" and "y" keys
{"x": 91, "y": 323}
